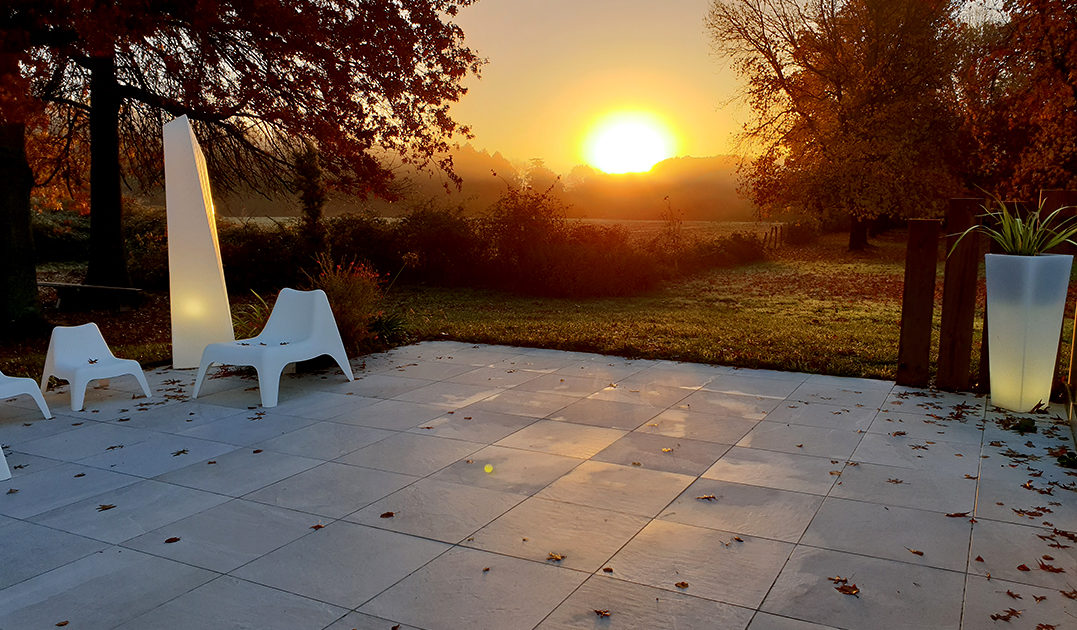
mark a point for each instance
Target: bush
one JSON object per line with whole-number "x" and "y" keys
{"x": 363, "y": 237}
{"x": 144, "y": 230}
{"x": 440, "y": 246}
{"x": 355, "y": 296}
{"x": 261, "y": 258}
{"x": 800, "y": 231}
{"x": 61, "y": 235}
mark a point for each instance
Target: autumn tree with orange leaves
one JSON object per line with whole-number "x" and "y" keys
{"x": 852, "y": 101}
{"x": 257, "y": 78}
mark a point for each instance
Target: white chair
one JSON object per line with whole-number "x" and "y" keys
{"x": 300, "y": 327}
{"x": 79, "y": 354}
{"x": 11, "y": 386}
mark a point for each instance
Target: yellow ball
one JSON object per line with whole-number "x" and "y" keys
{"x": 488, "y": 468}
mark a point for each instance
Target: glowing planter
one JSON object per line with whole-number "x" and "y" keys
{"x": 1026, "y": 298}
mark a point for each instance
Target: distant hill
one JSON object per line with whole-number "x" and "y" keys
{"x": 695, "y": 188}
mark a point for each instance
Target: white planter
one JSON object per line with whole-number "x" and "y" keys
{"x": 1026, "y": 299}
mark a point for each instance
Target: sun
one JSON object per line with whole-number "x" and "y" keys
{"x": 628, "y": 142}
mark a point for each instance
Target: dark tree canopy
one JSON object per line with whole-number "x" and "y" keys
{"x": 256, "y": 76}
{"x": 852, "y": 103}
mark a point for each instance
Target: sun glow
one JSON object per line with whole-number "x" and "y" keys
{"x": 628, "y": 142}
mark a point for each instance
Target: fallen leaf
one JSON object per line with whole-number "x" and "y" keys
{"x": 1050, "y": 568}
{"x": 607, "y": 569}
{"x": 554, "y": 557}
{"x": 897, "y": 433}
{"x": 105, "y": 506}
{"x": 1013, "y": 595}
{"x": 916, "y": 552}
{"x": 800, "y": 446}
{"x": 12, "y": 491}
{"x": 1039, "y": 598}
{"x": 1023, "y": 567}
{"x": 848, "y": 589}
{"x": 968, "y": 476}
{"x": 957, "y": 514}
{"x": 80, "y": 475}
{"x": 174, "y": 539}
{"x": 667, "y": 450}
{"x": 114, "y": 447}
{"x": 317, "y": 526}
{"x": 681, "y": 585}
{"x": 212, "y": 461}
{"x": 1072, "y": 594}
{"x": 1047, "y": 557}
{"x": 839, "y": 580}
{"x": 738, "y": 539}
{"x": 486, "y": 569}
{"x": 835, "y": 473}
{"x": 61, "y": 624}
{"x": 894, "y": 481}
{"x": 707, "y": 497}
{"x": 1006, "y": 615}
{"x": 256, "y": 451}
{"x": 636, "y": 464}
{"x": 1045, "y": 626}
{"x": 602, "y": 612}
{"x": 388, "y": 514}
{"x": 979, "y": 558}
{"x": 182, "y": 451}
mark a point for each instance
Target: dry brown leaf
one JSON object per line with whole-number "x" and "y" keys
{"x": 1045, "y": 626}
{"x": 848, "y": 589}
{"x": 1006, "y": 615}
{"x": 317, "y": 526}
{"x": 1039, "y": 598}
{"x": 607, "y": 569}
{"x": 636, "y": 464}
{"x": 105, "y": 506}
{"x": 1050, "y": 568}
{"x": 979, "y": 558}
{"x": 916, "y": 552}
{"x": 968, "y": 476}
{"x": 898, "y": 433}
{"x": 174, "y": 539}
{"x": 212, "y": 461}
{"x": 957, "y": 514}
{"x": 894, "y": 481}
{"x": 738, "y": 539}
{"x": 602, "y": 612}
{"x": 667, "y": 450}
{"x": 835, "y": 473}
{"x": 61, "y": 624}
{"x": 681, "y": 585}
{"x": 486, "y": 569}
{"x": 1023, "y": 567}
{"x": 1014, "y": 595}
{"x": 839, "y": 580}
{"x": 706, "y": 497}
{"x": 1071, "y": 594}
{"x": 12, "y": 491}
{"x": 388, "y": 514}
{"x": 256, "y": 451}
{"x": 554, "y": 557}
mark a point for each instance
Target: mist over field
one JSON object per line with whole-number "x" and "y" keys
{"x": 696, "y": 189}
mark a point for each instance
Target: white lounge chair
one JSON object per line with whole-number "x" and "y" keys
{"x": 11, "y": 386}
{"x": 300, "y": 327}
{"x": 79, "y": 354}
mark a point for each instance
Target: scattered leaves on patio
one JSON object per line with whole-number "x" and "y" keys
{"x": 554, "y": 557}
{"x": 1071, "y": 594}
{"x": 1014, "y": 595}
{"x": 114, "y": 447}
{"x": 607, "y": 569}
{"x": 12, "y": 491}
{"x": 1045, "y": 626}
{"x": 968, "y": 476}
{"x": 915, "y": 552}
{"x": 80, "y": 475}
{"x": 61, "y": 624}
{"x": 1039, "y": 598}
{"x": 182, "y": 451}
{"x": 105, "y": 506}
{"x": 898, "y": 433}
{"x": 957, "y": 514}
{"x": 681, "y": 585}
{"x": 1023, "y": 567}
{"x": 1006, "y": 615}
{"x": 636, "y": 464}
{"x": 1051, "y": 568}
{"x": 707, "y": 497}
{"x": 848, "y": 589}
{"x": 212, "y": 461}
{"x": 317, "y": 526}
{"x": 256, "y": 451}
{"x": 602, "y": 612}
{"x": 894, "y": 481}
{"x": 388, "y": 514}
{"x": 174, "y": 539}
{"x": 835, "y": 473}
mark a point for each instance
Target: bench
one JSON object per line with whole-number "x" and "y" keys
{"x": 71, "y": 296}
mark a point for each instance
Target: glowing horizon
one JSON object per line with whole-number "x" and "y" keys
{"x": 628, "y": 142}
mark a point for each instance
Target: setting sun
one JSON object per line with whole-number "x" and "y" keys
{"x": 628, "y": 142}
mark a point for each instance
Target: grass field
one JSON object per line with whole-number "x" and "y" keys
{"x": 816, "y": 308}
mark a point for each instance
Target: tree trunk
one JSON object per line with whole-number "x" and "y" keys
{"x": 858, "y": 234}
{"x": 108, "y": 259}
{"x": 20, "y": 310}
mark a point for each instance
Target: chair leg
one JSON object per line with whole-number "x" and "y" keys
{"x": 269, "y": 383}
{"x": 342, "y": 360}
{"x": 40, "y": 400}
{"x": 198, "y": 379}
{"x": 141, "y": 377}
{"x": 5, "y": 472}
{"x": 45, "y": 382}
{"x": 78, "y": 393}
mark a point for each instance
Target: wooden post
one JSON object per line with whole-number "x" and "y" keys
{"x": 958, "y": 297}
{"x": 918, "y": 303}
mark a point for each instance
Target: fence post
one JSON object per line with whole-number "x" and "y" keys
{"x": 958, "y": 297}
{"x": 918, "y": 303}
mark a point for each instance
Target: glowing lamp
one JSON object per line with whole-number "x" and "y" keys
{"x": 199, "y": 299}
{"x": 1026, "y": 299}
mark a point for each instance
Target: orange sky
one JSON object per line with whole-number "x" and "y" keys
{"x": 556, "y": 66}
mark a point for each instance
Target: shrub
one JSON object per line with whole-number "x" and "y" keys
{"x": 439, "y": 245}
{"x": 249, "y": 317}
{"x": 260, "y": 258}
{"x": 144, "y": 229}
{"x": 801, "y": 231}
{"x": 355, "y": 296}
{"x": 61, "y": 235}
{"x": 363, "y": 237}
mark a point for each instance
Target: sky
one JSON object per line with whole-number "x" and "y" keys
{"x": 556, "y": 67}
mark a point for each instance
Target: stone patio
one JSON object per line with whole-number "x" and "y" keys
{"x": 462, "y": 486}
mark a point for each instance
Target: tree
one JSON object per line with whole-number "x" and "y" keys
{"x": 852, "y": 113}
{"x": 1019, "y": 98}
{"x": 255, "y": 77}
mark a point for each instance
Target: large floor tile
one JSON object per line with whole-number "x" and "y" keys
{"x": 137, "y": 509}
{"x": 448, "y": 395}
{"x": 28, "y": 550}
{"x": 610, "y": 371}
{"x": 88, "y": 439}
{"x": 802, "y": 439}
{"x": 836, "y": 390}
{"x": 712, "y": 562}
{"x": 240, "y": 471}
{"x": 439, "y": 510}
{"x": 433, "y": 370}
{"x": 660, "y": 452}
{"x": 639, "y": 607}
{"x": 230, "y": 603}
{"x": 752, "y": 510}
{"x": 523, "y": 403}
{"x": 626, "y": 489}
{"x": 576, "y": 386}
{"x": 343, "y": 564}
{"x": 494, "y": 376}
{"x": 785, "y": 471}
{"x": 851, "y": 418}
{"x": 725, "y": 405}
{"x": 1006, "y": 550}
{"x": 698, "y": 426}
{"x": 1027, "y": 502}
{"x": 397, "y": 415}
{"x": 101, "y": 590}
{"x": 510, "y": 470}
{"x": 25, "y": 495}
{"x": 928, "y": 427}
{"x": 562, "y": 438}
{"x": 179, "y": 417}
{"x": 411, "y": 454}
{"x": 892, "y": 595}
{"x": 585, "y": 537}
{"x": 385, "y": 385}
{"x": 331, "y": 490}
{"x": 474, "y": 424}
{"x": 227, "y": 536}
{"x": 906, "y": 535}
{"x": 946, "y": 492}
{"x": 157, "y": 455}
{"x": 467, "y": 588}
{"x": 660, "y": 396}
{"x": 28, "y": 424}
{"x": 247, "y": 427}
{"x": 919, "y": 454}
{"x": 325, "y": 440}
{"x": 745, "y": 385}
{"x": 988, "y": 602}
{"x": 605, "y": 413}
